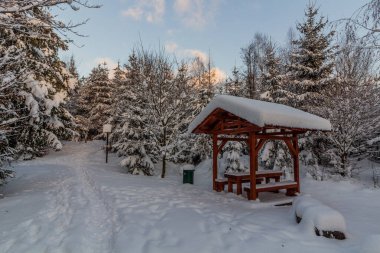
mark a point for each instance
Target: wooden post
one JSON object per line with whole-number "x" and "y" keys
{"x": 214, "y": 160}
{"x": 296, "y": 162}
{"x": 252, "y": 165}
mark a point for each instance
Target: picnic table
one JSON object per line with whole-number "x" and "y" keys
{"x": 244, "y": 177}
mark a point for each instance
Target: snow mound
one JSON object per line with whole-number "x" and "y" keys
{"x": 371, "y": 244}
{"x": 319, "y": 218}
{"x": 262, "y": 114}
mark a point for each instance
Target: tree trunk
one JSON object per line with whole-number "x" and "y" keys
{"x": 343, "y": 165}
{"x": 164, "y": 156}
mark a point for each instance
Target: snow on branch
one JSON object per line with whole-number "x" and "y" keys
{"x": 14, "y": 6}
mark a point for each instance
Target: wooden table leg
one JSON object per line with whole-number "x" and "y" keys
{"x": 238, "y": 187}
{"x": 276, "y": 179}
{"x": 229, "y": 185}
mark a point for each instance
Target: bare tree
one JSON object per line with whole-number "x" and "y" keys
{"x": 366, "y": 19}
{"x": 253, "y": 58}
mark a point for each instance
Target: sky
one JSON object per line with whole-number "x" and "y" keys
{"x": 186, "y": 28}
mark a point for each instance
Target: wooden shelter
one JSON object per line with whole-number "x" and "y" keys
{"x": 229, "y": 118}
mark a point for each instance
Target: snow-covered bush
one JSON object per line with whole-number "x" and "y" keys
{"x": 315, "y": 217}
{"x": 232, "y": 157}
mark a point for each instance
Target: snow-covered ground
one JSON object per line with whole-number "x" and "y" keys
{"x": 71, "y": 201}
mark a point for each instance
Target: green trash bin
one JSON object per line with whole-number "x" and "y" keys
{"x": 188, "y": 175}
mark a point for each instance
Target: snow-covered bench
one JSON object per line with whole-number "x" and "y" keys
{"x": 319, "y": 218}
{"x": 290, "y": 187}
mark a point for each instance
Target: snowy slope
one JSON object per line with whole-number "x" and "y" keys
{"x": 71, "y": 201}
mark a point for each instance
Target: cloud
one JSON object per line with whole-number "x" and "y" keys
{"x": 134, "y": 13}
{"x": 150, "y": 10}
{"x": 220, "y": 75}
{"x": 196, "y": 13}
{"x": 111, "y": 65}
{"x": 196, "y": 53}
{"x": 172, "y": 47}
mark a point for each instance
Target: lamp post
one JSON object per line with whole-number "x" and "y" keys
{"x": 107, "y": 128}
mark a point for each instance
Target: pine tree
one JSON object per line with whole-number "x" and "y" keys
{"x": 119, "y": 102}
{"x": 131, "y": 139}
{"x": 272, "y": 85}
{"x": 311, "y": 66}
{"x": 98, "y": 97}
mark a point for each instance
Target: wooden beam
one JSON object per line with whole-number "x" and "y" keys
{"x": 286, "y": 133}
{"x": 235, "y": 131}
{"x": 252, "y": 165}
{"x": 233, "y": 139}
{"x": 296, "y": 162}
{"x": 259, "y": 146}
{"x": 214, "y": 160}
{"x": 291, "y": 147}
{"x": 221, "y": 145}
{"x": 274, "y": 137}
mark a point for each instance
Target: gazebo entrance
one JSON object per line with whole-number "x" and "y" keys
{"x": 229, "y": 118}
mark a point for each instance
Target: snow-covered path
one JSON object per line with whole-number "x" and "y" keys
{"x": 71, "y": 201}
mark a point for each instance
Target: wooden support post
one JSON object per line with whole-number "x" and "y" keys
{"x": 296, "y": 162}
{"x": 214, "y": 160}
{"x": 252, "y": 165}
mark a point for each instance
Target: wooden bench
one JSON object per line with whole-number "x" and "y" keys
{"x": 290, "y": 187}
{"x": 220, "y": 183}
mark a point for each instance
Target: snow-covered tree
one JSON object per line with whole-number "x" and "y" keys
{"x": 167, "y": 100}
{"x": 273, "y": 79}
{"x": 311, "y": 63}
{"x": 232, "y": 157}
{"x": 366, "y": 22}
{"x": 131, "y": 138}
{"x": 234, "y": 85}
{"x": 353, "y": 107}
{"x": 98, "y": 95}
{"x": 40, "y": 81}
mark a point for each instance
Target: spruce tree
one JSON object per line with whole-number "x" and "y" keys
{"x": 272, "y": 79}
{"x": 131, "y": 139}
{"x": 98, "y": 96}
{"x": 311, "y": 66}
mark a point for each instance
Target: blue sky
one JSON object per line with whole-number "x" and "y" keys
{"x": 187, "y": 27}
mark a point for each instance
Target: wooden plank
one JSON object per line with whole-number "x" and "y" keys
{"x": 290, "y": 186}
{"x": 280, "y": 185}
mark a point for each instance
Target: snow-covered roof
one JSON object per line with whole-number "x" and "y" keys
{"x": 262, "y": 114}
